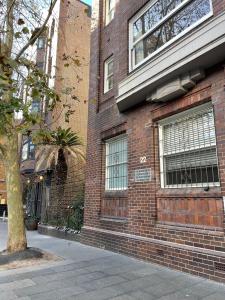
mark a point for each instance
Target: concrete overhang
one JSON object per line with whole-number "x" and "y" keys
{"x": 198, "y": 50}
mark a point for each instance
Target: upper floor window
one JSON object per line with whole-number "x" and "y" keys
{"x": 41, "y": 43}
{"x": 109, "y": 10}
{"x": 28, "y": 150}
{"x": 108, "y": 74}
{"x": 188, "y": 152}
{"x": 116, "y": 163}
{"x": 161, "y": 23}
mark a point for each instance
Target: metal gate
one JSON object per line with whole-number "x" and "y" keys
{"x": 35, "y": 197}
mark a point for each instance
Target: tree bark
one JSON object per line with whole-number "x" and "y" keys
{"x": 16, "y": 229}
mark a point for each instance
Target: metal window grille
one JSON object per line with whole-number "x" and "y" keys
{"x": 108, "y": 75}
{"x": 188, "y": 153}
{"x": 116, "y": 163}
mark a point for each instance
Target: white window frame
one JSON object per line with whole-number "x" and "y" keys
{"x": 132, "y": 65}
{"x": 107, "y": 142}
{"x": 167, "y": 121}
{"x": 109, "y": 13}
{"x": 107, "y": 75}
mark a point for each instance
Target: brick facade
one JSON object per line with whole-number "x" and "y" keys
{"x": 181, "y": 228}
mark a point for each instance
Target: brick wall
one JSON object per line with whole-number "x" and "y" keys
{"x": 180, "y": 228}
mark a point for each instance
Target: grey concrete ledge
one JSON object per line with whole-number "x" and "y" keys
{"x": 58, "y": 233}
{"x": 157, "y": 241}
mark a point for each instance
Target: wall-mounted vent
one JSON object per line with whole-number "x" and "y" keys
{"x": 219, "y": 267}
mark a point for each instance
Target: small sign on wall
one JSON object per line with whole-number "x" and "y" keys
{"x": 143, "y": 175}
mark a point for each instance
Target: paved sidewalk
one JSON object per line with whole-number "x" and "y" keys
{"x": 95, "y": 274}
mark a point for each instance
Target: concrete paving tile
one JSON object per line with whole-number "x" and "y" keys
{"x": 123, "y": 297}
{"x": 169, "y": 274}
{"x": 162, "y": 289}
{"x": 139, "y": 283}
{"x": 9, "y": 295}
{"x": 186, "y": 281}
{"x": 19, "y": 284}
{"x": 37, "y": 289}
{"x": 129, "y": 276}
{"x": 179, "y": 296}
{"x": 103, "y": 282}
{"x": 144, "y": 271}
{"x": 58, "y": 294}
{"x": 58, "y": 284}
{"x": 100, "y": 294}
{"x": 204, "y": 289}
{"x": 59, "y": 276}
{"x": 140, "y": 295}
{"x": 215, "y": 296}
{"x": 122, "y": 269}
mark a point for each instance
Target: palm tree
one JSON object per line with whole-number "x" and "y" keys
{"x": 56, "y": 146}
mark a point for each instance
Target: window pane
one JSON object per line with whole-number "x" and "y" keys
{"x": 110, "y": 83}
{"x": 153, "y": 15}
{"x": 111, "y": 4}
{"x": 193, "y": 132}
{"x": 31, "y": 151}
{"x": 110, "y": 68}
{"x": 25, "y": 151}
{"x": 179, "y": 22}
{"x": 108, "y": 80}
{"x": 116, "y": 164}
{"x": 117, "y": 177}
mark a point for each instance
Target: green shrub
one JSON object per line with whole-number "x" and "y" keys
{"x": 76, "y": 218}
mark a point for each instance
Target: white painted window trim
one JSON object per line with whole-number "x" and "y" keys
{"x": 109, "y": 13}
{"x": 132, "y": 66}
{"x": 107, "y": 75}
{"x": 166, "y": 121}
{"x": 107, "y": 142}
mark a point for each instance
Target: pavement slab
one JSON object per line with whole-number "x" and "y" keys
{"x": 88, "y": 273}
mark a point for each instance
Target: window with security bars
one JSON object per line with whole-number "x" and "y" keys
{"x": 188, "y": 153}
{"x": 116, "y": 164}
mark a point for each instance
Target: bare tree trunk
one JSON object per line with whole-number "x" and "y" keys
{"x": 16, "y": 230}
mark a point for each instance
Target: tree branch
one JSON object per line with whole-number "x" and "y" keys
{"x": 39, "y": 32}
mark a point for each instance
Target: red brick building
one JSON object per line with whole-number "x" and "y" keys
{"x": 155, "y": 182}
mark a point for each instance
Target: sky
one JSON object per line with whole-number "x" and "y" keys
{"x": 87, "y": 1}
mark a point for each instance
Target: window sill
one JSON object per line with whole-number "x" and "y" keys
{"x": 116, "y": 194}
{"x": 115, "y": 220}
{"x": 189, "y": 192}
{"x": 190, "y": 228}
